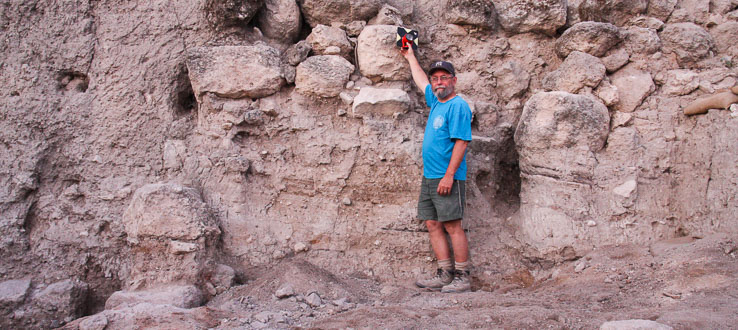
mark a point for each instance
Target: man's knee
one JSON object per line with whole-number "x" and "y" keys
{"x": 453, "y": 227}
{"x": 433, "y": 225}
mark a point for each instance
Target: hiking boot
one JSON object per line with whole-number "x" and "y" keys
{"x": 460, "y": 283}
{"x": 443, "y": 277}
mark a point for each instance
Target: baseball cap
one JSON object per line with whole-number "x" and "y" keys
{"x": 442, "y": 65}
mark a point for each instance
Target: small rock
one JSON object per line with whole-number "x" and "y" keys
{"x": 580, "y": 267}
{"x": 300, "y": 247}
{"x": 285, "y": 291}
{"x": 346, "y": 201}
{"x": 591, "y": 223}
{"x": 263, "y": 317}
{"x": 313, "y": 299}
{"x": 346, "y": 97}
{"x": 178, "y": 247}
{"x": 95, "y": 322}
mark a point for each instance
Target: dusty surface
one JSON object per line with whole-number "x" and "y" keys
{"x": 685, "y": 283}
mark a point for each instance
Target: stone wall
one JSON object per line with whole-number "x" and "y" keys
{"x": 299, "y": 129}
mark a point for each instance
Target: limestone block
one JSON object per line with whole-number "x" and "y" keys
{"x": 724, "y": 37}
{"x": 387, "y": 15}
{"x": 577, "y": 71}
{"x": 616, "y": 60}
{"x": 593, "y": 38}
{"x": 280, "y": 20}
{"x": 634, "y": 325}
{"x": 558, "y": 132}
{"x": 642, "y": 40}
{"x": 557, "y": 137}
{"x": 723, "y": 6}
{"x": 572, "y": 12}
{"x": 607, "y": 93}
{"x": 512, "y": 80}
{"x": 185, "y": 296}
{"x": 681, "y": 82}
{"x": 323, "y": 75}
{"x": 167, "y": 211}
{"x": 323, "y": 37}
{"x": 384, "y": 102}
{"x": 378, "y": 55}
{"x": 343, "y": 11}
{"x": 624, "y": 196}
{"x": 62, "y": 300}
{"x": 231, "y": 13}
{"x": 633, "y": 86}
{"x": 688, "y": 41}
{"x": 520, "y": 16}
{"x": 297, "y": 52}
{"x": 617, "y": 12}
{"x": 661, "y": 9}
{"x": 95, "y": 322}
{"x": 223, "y": 277}
{"x": 479, "y": 13}
{"x": 175, "y": 153}
{"x": 235, "y": 71}
{"x": 647, "y": 23}
{"x": 13, "y": 292}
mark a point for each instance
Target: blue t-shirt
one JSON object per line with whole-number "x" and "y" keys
{"x": 447, "y": 121}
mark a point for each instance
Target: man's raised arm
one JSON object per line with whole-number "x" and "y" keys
{"x": 421, "y": 80}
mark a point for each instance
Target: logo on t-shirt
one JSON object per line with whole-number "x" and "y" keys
{"x": 438, "y": 122}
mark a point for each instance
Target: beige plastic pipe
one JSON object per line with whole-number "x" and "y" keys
{"x": 720, "y": 100}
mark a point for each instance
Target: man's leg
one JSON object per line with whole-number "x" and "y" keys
{"x": 444, "y": 274}
{"x": 438, "y": 239}
{"x": 460, "y": 245}
{"x": 458, "y": 240}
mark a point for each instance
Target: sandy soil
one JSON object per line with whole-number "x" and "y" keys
{"x": 685, "y": 283}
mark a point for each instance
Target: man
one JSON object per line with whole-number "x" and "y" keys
{"x": 442, "y": 192}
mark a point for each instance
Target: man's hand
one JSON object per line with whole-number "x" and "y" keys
{"x": 408, "y": 53}
{"x": 444, "y": 187}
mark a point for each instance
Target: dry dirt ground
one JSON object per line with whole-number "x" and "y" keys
{"x": 685, "y": 283}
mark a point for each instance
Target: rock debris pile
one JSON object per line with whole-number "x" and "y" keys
{"x": 256, "y": 163}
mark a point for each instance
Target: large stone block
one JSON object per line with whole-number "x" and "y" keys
{"x": 633, "y": 87}
{"x": 640, "y": 40}
{"x": 688, "y": 41}
{"x": 230, "y": 13}
{"x": 61, "y": 301}
{"x": 341, "y": 11}
{"x": 323, "y": 75}
{"x": 323, "y": 38}
{"x": 280, "y": 20}
{"x": 520, "y": 16}
{"x": 724, "y": 37}
{"x": 471, "y": 12}
{"x": 235, "y": 71}
{"x": 557, "y": 137}
{"x": 378, "y": 55}
{"x": 558, "y": 133}
{"x": 167, "y": 211}
{"x": 578, "y": 70}
{"x": 593, "y": 38}
{"x": 512, "y": 80}
{"x": 13, "y": 292}
{"x": 382, "y": 102}
{"x": 184, "y": 296}
{"x": 617, "y": 12}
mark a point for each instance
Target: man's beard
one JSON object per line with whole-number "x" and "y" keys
{"x": 444, "y": 92}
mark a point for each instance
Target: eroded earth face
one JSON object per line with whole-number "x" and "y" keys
{"x": 161, "y": 162}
